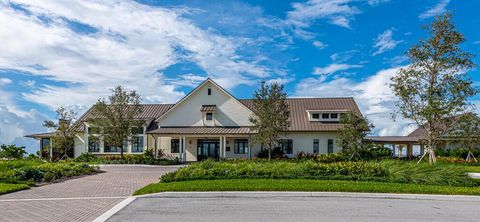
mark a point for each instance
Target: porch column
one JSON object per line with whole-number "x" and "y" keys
{"x": 409, "y": 150}
{"x": 220, "y": 152}
{"x": 224, "y": 147}
{"x": 184, "y": 156}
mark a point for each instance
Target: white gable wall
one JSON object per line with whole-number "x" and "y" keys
{"x": 229, "y": 111}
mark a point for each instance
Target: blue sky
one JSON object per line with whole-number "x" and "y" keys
{"x": 70, "y": 53}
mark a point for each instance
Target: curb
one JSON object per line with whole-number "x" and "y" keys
{"x": 232, "y": 194}
{"x": 105, "y": 216}
{"x": 474, "y": 175}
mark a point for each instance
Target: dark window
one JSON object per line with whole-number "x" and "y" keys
{"x": 45, "y": 144}
{"x": 241, "y": 146}
{"x": 315, "y": 116}
{"x": 316, "y": 146}
{"x": 137, "y": 144}
{"x": 137, "y": 130}
{"x": 325, "y": 116}
{"x": 286, "y": 145}
{"x": 209, "y": 116}
{"x": 334, "y": 115}
{"x": 113, "y": 149}
{"x": 330, "y": 145}
{"x": 209, "y": 91}
{"x": 93, "y": 144}
{"x": 175, "y": 146}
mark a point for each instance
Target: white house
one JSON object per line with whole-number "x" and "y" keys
{"x": 210, "y": 122}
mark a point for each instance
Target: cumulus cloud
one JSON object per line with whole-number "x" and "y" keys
{"x": 333, "y": 68}
{"x": 319, "y": 45}
{"x": 5, "y": 81}
{"x": 385, "y": 42}
{"x": 124, "y": 43}
{"x": 373, "y": 95}
{"x": 438, "y": 9}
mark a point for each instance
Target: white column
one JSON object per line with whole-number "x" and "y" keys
{"x": 224, "y": 147}
{"x": 220, "y": 152}
{"x": 184, "y": 155}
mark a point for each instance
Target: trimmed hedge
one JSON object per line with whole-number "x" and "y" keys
{"x": 127, "y": 159}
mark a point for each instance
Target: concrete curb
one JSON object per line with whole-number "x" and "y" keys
{"x": 105, "y": 216}
{"x": 474, "y": 175}
{"x": 229, "y": 194}
{"x": 140, "y": 165}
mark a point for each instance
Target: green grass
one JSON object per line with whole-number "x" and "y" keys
{"x": 8, "y": 188}
{"x": 305, "y": 185}
{"x": 473, "y": 169}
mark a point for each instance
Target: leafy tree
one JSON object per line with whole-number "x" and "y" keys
{"x": 351, "y": 136}
{"x": 466, "y": 131}
{"x": 11, "y": 152}
{"x": 271, "y": 114}
{"x": 117, "y": 117}
{"x": 63, "y": 139}
{"x": 435, "y": 86}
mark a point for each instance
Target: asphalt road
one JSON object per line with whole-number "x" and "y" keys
{"x": 287, "y": 208}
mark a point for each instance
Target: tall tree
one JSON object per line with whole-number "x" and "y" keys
{"x": 116, "y": 118}
{"x": 351, "y": 136}
{"x": 271, "y": 114}
{"x": 466, "y": 131}
{"x": 10, "y": 152}
{"x": 63, "y": 139}
{"x": 435, "y": 86}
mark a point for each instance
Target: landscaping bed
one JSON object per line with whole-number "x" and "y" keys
{"x": 126, "y": 159}
{"x": 25, "y": 173}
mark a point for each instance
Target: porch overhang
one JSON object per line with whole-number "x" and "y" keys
{"x": 41, "y": 135}
{"x": 202, "y": 130}
{"x": 393, "y": 139}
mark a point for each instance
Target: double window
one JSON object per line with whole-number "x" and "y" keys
{"x": 241, "y": 146}
{"x": 174, "y": 146}
{"x": 286, "y": 145}
{"x": 114, "y": 149}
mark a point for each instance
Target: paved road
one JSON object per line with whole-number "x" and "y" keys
{"x": 298, "y": 209}
{"x": 81, "y": 199}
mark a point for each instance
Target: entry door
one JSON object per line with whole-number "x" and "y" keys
{"x": 207, "y": 148}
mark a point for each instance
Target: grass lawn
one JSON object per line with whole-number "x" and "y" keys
{"x": 8, "y": 188}
{"x": 305, "y": 185}
{"x": 473, "y": 169}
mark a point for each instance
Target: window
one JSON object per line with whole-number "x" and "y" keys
{"x": 330, "y": 146}
{"x": 325, "y": 116}
{"x": 175, "y": 146}
{"x": 137, "y": 144}
{"x": 209, "y": 91}
{"x": 93, "y": 144}
{"x": 209, "y": 116}
{"x": 113, "y": 149}
{"x": 316, "y": 146}
{"x": 241, "y": 146}
{"x": 286, "y": 145}
{"x": 315, "y": 115}
{"x": 334, "y": 115}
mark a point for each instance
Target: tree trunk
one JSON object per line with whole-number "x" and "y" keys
{"x": 269, "y": 153}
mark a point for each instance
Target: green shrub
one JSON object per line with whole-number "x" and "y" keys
{"x": 86, "y": 158}
{"x": 145, "y": 158}
{"x": 276, "y": 153}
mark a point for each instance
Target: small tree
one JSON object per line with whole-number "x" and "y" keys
{"x": 271, "y": 114}
{"x": 116, "y": 118}
{"x": 10, "y": 152}
{"x": 351, "y": 136}
{"x": 466, "y": 131}
{"x": 434, "y": 87}
{"x": 63, "y": 139}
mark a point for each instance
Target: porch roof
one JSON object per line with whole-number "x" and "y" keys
{"x": 202, "y": 130}
{"x": 393, "y": 139}
{"x": 41, "y": 135}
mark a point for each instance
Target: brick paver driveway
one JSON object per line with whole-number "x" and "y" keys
{"x": 81, "y": 199}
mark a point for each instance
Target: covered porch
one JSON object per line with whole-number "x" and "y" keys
{"x": 402, "y": 146}
{"x": 191, "y": 144}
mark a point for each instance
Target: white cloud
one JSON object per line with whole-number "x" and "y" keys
{"x": 131, "y": 45}
{"x": 377, "y": 2}
{"x": 337, "y": 12}
{"x": 385, "y": 42}
{"x": 373, "y": 95}
{"x": 28, "y": 83}
{"x": 319, "y": 45}
{"x": 438, "y": 9}
{"x": 334, "y": 67}
{"x": 341, "y": 57}
{"x": 5, "y": 81}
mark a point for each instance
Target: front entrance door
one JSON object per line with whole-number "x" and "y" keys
{"x": 207, "y": 148}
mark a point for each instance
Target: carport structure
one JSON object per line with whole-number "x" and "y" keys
{"x": 399, "y": 142}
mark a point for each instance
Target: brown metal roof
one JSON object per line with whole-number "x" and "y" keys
{"x": 202, "y": 130}
{"x": 208, "y": 108}
{"x": 393, "y": 139}
{"x": 299, "y": 106}
{"x": 149, "y": 112}
{"x": 41, "y": 135}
